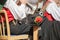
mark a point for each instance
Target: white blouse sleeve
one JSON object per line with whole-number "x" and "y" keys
{"x": 17, "y": 11}
{"x": 54, "y": 10}
{"x": 22, "y": 12}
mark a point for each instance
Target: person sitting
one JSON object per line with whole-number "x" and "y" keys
{"x": 50, "y": 27}
{"x": 17, "y": 14}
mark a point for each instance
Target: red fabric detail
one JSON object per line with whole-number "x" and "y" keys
{"x": 10, "y": 16}
{"x": 48, "y": 16}
{"x": 38, "y": 19}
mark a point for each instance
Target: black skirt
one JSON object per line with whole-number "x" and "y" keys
{"x": 50, "y": 30}
{"x": 19, "y": 28}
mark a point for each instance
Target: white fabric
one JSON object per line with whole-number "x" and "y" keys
{"x": 40, "y": 4}
{"x": 18, "y": 11}
{"x": 54, "y": 10}
{"x": 32, "y": 1}
{"x": 35, "y": 6}
{"x": 15, "y": 0}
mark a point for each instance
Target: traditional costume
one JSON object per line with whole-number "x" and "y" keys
{"x": 16, "y": 13}
{"x": 50, "y": 27}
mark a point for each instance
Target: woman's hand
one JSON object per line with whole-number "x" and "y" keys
{"x": 19, "y": 2}
{"x": 23, "y": 1}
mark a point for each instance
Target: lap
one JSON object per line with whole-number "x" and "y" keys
{"x": 19, "y": 28}
{"x": 50, "y": 30}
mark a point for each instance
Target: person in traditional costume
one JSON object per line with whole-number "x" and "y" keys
{"x": 16, "y": 13}
{"x": 36, "y": 6}
{"x": 50, "y": 29}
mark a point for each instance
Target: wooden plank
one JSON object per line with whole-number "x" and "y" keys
{"x": 35, "y": 33}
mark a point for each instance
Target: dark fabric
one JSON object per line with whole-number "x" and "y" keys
{"x": 55, "y": 33}
{"x": 50, "y": 30}
{"x": 2, "y": 2}
{"x": 45, "y": 29}
{"x": 19, "y": 28}
{"x": 31, "y": 19}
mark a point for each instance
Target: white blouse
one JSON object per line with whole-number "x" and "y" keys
{"x": 54, "y": 10}
{"x": 19, "y": 12}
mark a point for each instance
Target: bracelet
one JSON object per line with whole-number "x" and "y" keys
{"x": 41, "y": 13}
